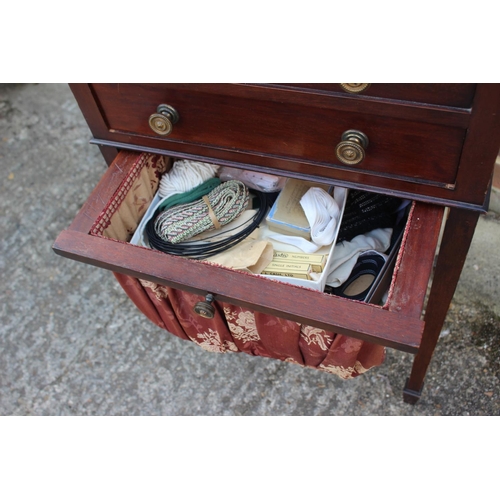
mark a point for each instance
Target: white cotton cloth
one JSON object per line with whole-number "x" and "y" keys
{"x": 323, "y": 213}
{"x": 347, "y": 253}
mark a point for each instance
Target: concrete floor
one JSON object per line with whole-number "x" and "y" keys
{"x": 71, "y": 343}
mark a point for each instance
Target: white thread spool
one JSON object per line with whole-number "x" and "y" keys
{"x": 184, "y": 176}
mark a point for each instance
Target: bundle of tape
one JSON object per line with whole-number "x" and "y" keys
{"x": 193, "y": 202}
{"x": 222, "y": 205}
{"x": 203, "y": 248}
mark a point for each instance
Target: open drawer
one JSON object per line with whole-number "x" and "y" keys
{"x": 396, "y": 324}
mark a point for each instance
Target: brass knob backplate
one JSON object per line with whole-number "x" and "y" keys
{"x": 162, "y": 122}
{"x": 354, "y": 88}
{"x": 351, "y": 150}
{"x": 205, "y": 309}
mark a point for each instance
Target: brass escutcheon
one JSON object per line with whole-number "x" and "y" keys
{"x": 354, "y": 88}
{"x": 162, "y": 122}
{"x": 351, "y": 150}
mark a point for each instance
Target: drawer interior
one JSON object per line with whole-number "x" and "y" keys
{"x": 101, "y": 234}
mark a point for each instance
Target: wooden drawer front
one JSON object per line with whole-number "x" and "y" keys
{"x": 397, "y": 324}
{"x": 458, "y": 95}
{"x": 246, "y": 122}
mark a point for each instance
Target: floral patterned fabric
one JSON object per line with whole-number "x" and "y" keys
{"x": 236, "y": 329}
{"x": 233, "y": 328}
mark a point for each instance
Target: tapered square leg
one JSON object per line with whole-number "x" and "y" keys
{"x": 454, "y": 247}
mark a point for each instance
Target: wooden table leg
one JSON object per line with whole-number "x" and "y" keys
{"x": 455, "y": 244}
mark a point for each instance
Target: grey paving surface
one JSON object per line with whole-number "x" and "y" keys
{"x": 71, "y": 343}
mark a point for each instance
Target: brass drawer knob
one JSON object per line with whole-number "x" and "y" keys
{"x": 351, "y": 150}
{"x": 205, "y": 309}
{"x": 162, "y": 122}
{"x": 354, "y": 88}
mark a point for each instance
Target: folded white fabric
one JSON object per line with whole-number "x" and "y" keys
{"x": 323, "y": 213}
{"x": 346, "y": 253}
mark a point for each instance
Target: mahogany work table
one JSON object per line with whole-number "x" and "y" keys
{"x": 434, "y": 144}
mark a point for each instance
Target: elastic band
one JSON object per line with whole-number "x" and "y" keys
{"x": 211, "y": 213}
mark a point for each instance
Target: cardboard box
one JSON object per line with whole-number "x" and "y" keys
{"x": 316, "y": 261}
{"x": 290, "y": 269}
